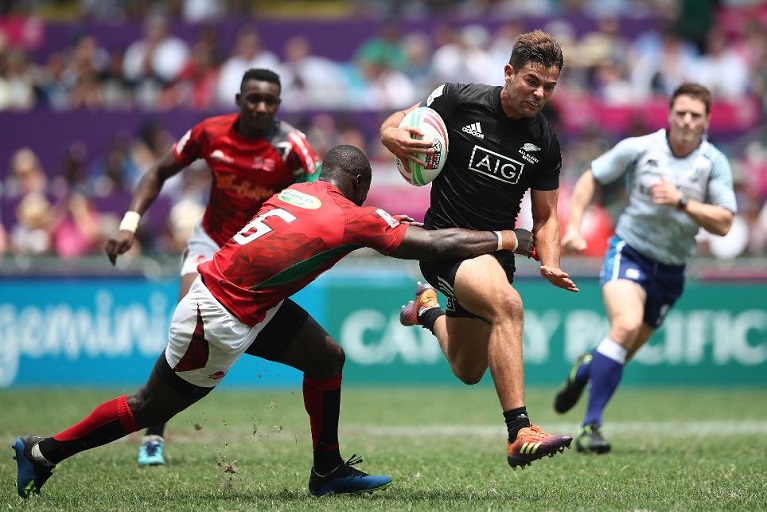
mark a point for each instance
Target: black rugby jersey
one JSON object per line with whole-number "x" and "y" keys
{"x": 492, "y": 160}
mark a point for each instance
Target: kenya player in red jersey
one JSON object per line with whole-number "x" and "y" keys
{"x": 251, "y": 155}
{"x": 240, "y": 305}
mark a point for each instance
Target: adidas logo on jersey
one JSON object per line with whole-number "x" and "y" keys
{"x": 474, "y": 129}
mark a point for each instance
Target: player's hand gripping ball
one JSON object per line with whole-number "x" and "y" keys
{"x": 434, "y": 129}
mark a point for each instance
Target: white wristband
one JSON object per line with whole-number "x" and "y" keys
{"x": 130, "y": 221}
{"x": 500, "y": 240}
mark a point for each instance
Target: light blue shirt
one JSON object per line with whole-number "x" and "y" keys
{"x": 664, "y": 234}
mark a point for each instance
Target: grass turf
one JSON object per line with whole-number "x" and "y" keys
{"x": 696, "y": 449}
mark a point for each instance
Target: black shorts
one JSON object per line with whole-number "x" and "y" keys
{"x": 274, "y": 339}
{"x": 270, "y": 344}
{"x": 441, "y": 275}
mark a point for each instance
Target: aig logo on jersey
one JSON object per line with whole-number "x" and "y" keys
{"x": 496, "y": 166}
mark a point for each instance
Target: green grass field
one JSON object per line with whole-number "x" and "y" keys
{"x": 701, "y": 449}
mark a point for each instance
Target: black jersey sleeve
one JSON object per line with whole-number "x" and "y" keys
{"x": 548, "y": 179}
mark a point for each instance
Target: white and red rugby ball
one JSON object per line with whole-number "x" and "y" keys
{"x": 434, "y": 129}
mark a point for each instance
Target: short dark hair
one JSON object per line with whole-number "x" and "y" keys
{"x": 345, "y": 160}
{"x": 262, "y": 75}
{"x": 692, "y": 90}
{"x": 536, "y": 46}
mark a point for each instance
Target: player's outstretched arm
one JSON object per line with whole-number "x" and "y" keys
{"x": 423, "y": 244}
{"x": 558, "y": 278}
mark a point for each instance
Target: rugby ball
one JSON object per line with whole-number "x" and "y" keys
{"x": 434, "y": 129}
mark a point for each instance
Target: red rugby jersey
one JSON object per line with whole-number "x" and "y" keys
{"x": 297, "y": 235}
{"x": 246, "y": 172}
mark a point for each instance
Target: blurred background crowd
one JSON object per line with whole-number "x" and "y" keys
{"x": 93, "y": 92}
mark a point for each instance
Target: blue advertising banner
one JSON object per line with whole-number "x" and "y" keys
{"x": 109, "y": 332}
{"x": 99, "y": 332}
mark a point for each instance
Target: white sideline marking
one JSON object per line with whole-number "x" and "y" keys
{"x": 667, "y": 428}
{"x": 696, "y": 429}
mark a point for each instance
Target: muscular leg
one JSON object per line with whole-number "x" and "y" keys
{"x": 495, "y": 340}
{"x": 155, "y": 402}
{"x": 294, "y": 338}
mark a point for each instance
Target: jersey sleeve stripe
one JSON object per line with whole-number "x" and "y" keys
{"x": 304, "y": 151}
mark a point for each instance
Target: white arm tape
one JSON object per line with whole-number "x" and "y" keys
{"x": 130, "y": 221}
{"x": 500, "y": 240}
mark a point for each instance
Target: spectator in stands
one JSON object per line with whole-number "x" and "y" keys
{"x": 722, "y": 69}
{"x": 609, "y": 82}
{"x": 375, "y": 85}
{"x": 3, "y": 239}
{"x": 418, "y": 50}
{"x": 661, "y": 64}
{"x": 153, "y": 143}
{"x": 115, "y": 172}
{"x": 50, "y": 83}
{"x": 26, "y": 175}
{"x": 74, "y": 175}
{"x": 31, "y": 234}
{"x": 198, "y": 11}
{"x": 753, "y": 48}
{"x": 16, "y": 81}
{"x": 77, "y": 229}
{"x": 154, "y": 61}
{"x": 197, "y": 81}
{"x": 248, "y": 53}
{"x": 309, "y": 80}
{"x": 466, "y": 60}
{"x": 386, "y": 47}
{"x": 503, "y": 39}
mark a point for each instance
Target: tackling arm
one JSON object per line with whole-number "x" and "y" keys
{"x": 455, "y": 243}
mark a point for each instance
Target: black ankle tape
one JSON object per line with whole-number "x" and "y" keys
{"x": 428, "y": 318}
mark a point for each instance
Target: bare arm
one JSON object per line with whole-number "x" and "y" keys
{"x": 146, "y": 192}
{"x": 454, "y": 243}
{"x": 547, "y": 237}
{"x": 712, "y": 218}
{"x": 400, "y": 141}
{"x": 582, "y": 195}
{"x": 151, "y": 183}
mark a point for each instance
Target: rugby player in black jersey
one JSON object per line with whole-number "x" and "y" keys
{"x": 500, "y": 146}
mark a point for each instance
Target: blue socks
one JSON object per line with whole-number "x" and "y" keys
{"x": 605, "y": 372}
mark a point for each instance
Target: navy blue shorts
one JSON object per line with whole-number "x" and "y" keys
{"x": 662, "y": 283}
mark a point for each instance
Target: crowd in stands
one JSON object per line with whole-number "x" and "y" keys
{"x": 69, "y": 211}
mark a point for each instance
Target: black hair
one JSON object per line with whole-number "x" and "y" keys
{"x": 262, "y": 75}
{"x": 345, "y": 161}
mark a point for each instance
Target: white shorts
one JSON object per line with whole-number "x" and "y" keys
{"x": 199, "y": 248}
{"x": 201, "y": 351}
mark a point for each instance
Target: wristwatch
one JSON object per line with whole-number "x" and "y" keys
{"x": 682, "y": 204}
